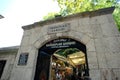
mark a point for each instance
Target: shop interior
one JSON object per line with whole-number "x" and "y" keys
{"x": 68, "y": 64}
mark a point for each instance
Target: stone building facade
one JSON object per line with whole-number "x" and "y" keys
{"x": 7, "y": 59}
{"x": 95, "y": 30}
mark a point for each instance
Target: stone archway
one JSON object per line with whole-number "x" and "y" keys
{"x": 46, "y": 55}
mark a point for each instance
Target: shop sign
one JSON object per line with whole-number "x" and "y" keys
{"x": 60, "y": 43}
{"x": 58, "y": 28}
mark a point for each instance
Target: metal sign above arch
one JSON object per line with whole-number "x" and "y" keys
{"x": 61, "y": 43}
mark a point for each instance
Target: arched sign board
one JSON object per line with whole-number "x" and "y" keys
{"x": 47, "y": 50}
{"x": 62, "y": 43}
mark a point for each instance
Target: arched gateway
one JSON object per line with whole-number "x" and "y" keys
{"x": 63, "y": 55}
{"x": 66, "y": 46}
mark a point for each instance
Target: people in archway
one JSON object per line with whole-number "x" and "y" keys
{"x": 74, "y": 76}
{"x": 43, "y": 76}
{"x": 58, "y": 76}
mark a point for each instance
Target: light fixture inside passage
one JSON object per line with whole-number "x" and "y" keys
{"x": 78, "y": 61}
{"x": 77, "y": 58}
{"x": 74, "y": 59}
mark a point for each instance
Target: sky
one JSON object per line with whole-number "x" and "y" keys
{"x": 18, "y": 13}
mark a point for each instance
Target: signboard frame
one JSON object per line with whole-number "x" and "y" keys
{"x": 23, "y": 58}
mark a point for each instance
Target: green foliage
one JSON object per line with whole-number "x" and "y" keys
{"x": 65, "y": 52}
{"x": 50, "y": 16}
{"x": 116, "y": 15}
{"x": 75, "y": 6}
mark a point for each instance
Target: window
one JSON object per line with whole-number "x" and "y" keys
{"x": 2, "y": 65}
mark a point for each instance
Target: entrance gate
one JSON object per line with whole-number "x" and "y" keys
{"x": 63, "y": 55}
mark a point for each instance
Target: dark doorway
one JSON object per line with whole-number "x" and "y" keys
{"x": 66, "y": 51}
{"x": 2, "y": 65}
{"x": 42, "y": 67}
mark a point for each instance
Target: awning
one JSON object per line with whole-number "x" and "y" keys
{"x": 74, "y": 59}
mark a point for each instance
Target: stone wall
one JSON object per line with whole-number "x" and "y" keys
{"x": 97, "y": 30}
{"x": 9, "y": 55}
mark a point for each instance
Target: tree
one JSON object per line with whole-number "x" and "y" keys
{"x": 116, "y": 15}
{"x": 74, "y": 6}
{"x": 50, "y": 16}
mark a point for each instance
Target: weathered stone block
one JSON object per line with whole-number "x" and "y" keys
{"x": 79, "y": 35}
{"x": 84, "y": 21}
{"x": 115, "y": 74}
{"x": 44, "y": 30}
{"x": 65, "y": 34}
{"x": 92, "y": 60}
{"x": 73, "y": 24}
{"x": 102, "y": 62}
{"x": 109, "y": 29}
{"x": 94, "y": 20}
{"x": 27, "y": 32}
{"x": 90, "y": 45}
{"x": 112, "y": 44}
{"x": 95, "y": 74}
{"x": 102, "y": 19}
{"x": 47, "y": 37}
{"x": 25, "y": 49}
{"x": 110, "y": 74}
{"x": 25, "y": 41}
{"x": 105, "y": 74}
{"x": 59, "y": 34}
{"x": 118, "y": 38}
{"x": 22, "y": 74}
{"x": 18, "y": 74}
{"x": 113, "y": 60}
{"x": 85, "y": 39}
{"x": 29, "y": 76}
{"x": 39, "y": 42}
{"x": 35, "y": 34}
{"x": 85, "y": 28}
{"x": 96, "y": 30}
{"x": 32, "y": 58}
{"x": 99, "y": 45}
{"x": 110, "y": 18}
{"x": 90, "y": 34}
